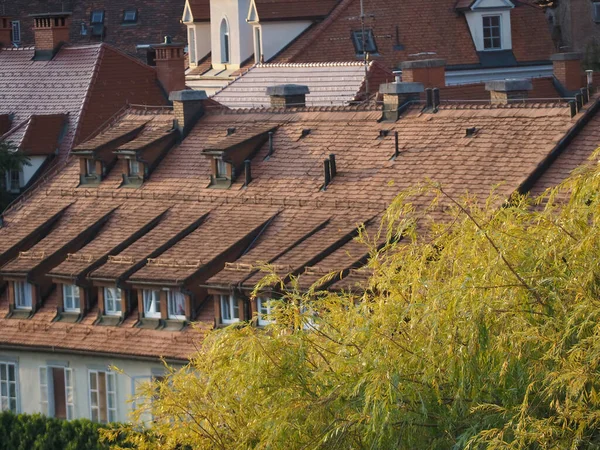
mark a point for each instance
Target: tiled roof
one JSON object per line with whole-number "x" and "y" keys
{"x": 200, "y": 10}
{"x": 329, "y": 83}
{"x": 402, "y": 29}
{"x": 38, "y": 135}
{"x": 58, "y": 86}
{"x": 293, "y": 9}
{"x": 221, "y": 237}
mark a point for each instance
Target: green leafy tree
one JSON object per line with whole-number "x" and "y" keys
{"x": 477, "y": 330}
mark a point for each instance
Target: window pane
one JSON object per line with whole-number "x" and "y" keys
{"x": 3, "y": 372}
{"x": 93, "y": 381}
{"x": 91, "y": 167}
{"x": 225, "y": 312}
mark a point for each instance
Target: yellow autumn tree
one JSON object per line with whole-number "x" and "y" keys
{"x": 478, "y": 329}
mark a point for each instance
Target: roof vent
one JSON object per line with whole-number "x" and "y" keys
{"x": 230, "y": 131}
{"x": 383, "y": 133}
{"x": 305, "y": 133}
{"x": 471, "y": 132}
{"x": 509, "y": 91}
{"x": 288, "y": 95}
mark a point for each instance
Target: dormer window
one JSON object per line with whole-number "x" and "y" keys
{"x": 71, "y": 298}
{"x": 90, "y": 167}
{"x": 23, "y": 295}
{"x": 221, "y": 169}
{"x": 492, "y": 33}
{"x": 176, "y": 305}
{"x": 134, "y": 168}
{"x": 130, "y": 16}
{"x": 97, "y": 17}
{"x": 151, "y": 304}
{"x": 264, "y": 308}
{"x": 112, "y": 301}
{"x": 364, "y": 41}
{"x": 230, "y": 309}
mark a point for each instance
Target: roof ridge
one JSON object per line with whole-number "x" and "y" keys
{"x": 315, "y": 64}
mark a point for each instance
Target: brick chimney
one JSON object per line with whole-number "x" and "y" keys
{"x": 170, "y": 65}
{"x": 508, "y": 91}
{"x": 567, "y": 70}
{"x": 188, "y": 107}
{"x": 51, "y": 30}
{"x": 288, "y": 95}
{"x": 5, "y": 31}
{"x": 396, "y": 95}
{"x": 430, "y": 72}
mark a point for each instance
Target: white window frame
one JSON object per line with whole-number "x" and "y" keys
{"x": 225, "y": 41}
{"x": 71, "y": 298}
{"x": 23, "y": 295}
{"x": 117, "y": 296}
{"x": 90, "y": 167}
{"x": 229, "y": 306}
{"x": 151, "y": 300}
{"x": 264, "y": 307}
{"x": 47, "y": 390}
{"x": 500, "y": 37}
{"x": 134, "y": 167}
{"x": 172, "y": 297}
{"x": 109, "y": 378}
{"x": 221, "y": 168}
{"x": 16, "y": 31}
{"x": 9, "y": 388}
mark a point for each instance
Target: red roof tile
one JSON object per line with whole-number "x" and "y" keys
{"x": 293, "y": 9}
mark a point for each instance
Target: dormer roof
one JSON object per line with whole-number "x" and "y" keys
{"x": 282, "y": 10}
{"x": 39, "y": 135}
{"x": 463, "y": 5}
{"x": 196, "y": 11}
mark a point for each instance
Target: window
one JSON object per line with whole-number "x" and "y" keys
{"x": 103, "y": 396}
{"x": 71, "y": 302}
{"x": 16, "y": 31}
{"x": 130, "y": 16}
{"x": 364, "y": 41}
{"x": 134, "y": 168}
{"x": 90, "y": 167}
{"x": 97, "y": 17}
{"x": 221, "y": 168}
{"x": 56, "y": 392}
{"x": 112, "y": 301}
{"x": 230, "y": 309}
{"x": 224, "y": 42}
{"x": 14, "y": 181}
{"x": 492, "y": 39}
{"x": 23, "y": 295}
{"x": 596, "y": 11}
{"x": 83, "y": 29}
{"x": 8, "y": 386}
{"x": 192, "y": 45}
{"x": 176, "y": 305}
{"x": 264, "y": 307}
{"x": 151, "y": 304}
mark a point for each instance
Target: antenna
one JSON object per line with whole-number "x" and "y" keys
{"x": 364, "y": 46}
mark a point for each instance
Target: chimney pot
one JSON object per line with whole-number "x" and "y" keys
{"x": 288, "y": 95}
{"x": 170, "y": 65}
{"x": 51, "y": 30}
{"x": 430, "y": 72}
{"x": 5, "y": 31}
{"x": 509, "y": 91}
{"x": 567, "y": 70}
{"x": 188, "y": 107}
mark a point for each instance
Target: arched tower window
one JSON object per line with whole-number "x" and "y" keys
{"x": 224, "y": 42}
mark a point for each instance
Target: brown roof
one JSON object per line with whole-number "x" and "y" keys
{"x": 5, "y": 123}
{"x": 400, "y": 31}
{"x": 38, "y": 135}
{"x": 293, "y": 9}
{"x": 284, "y": 217}
{"x": 200, "y": 10}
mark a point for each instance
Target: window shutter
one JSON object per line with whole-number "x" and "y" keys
{"x": 69, "y": 394}
{"x": 111, "y": 396}
{"x": 44, "y": 390}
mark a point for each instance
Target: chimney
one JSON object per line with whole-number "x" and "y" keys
{"x": 508, "y": 91}
{"x": 51, "y": 30}
{"x": 188, "y": 108}
{"x": 567, "y": 70}
{"x": 5, "y": 31}
{"x": 396, "y": 95}
{"x": 170, "y": 65}
{"x": 430, "y": 72}
{"x": 288, "y": 95}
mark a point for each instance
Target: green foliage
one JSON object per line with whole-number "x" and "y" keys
{"x": 477, "y": 330}
{"x": 36, "y": 432}
{"x": 10, "y": 159}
